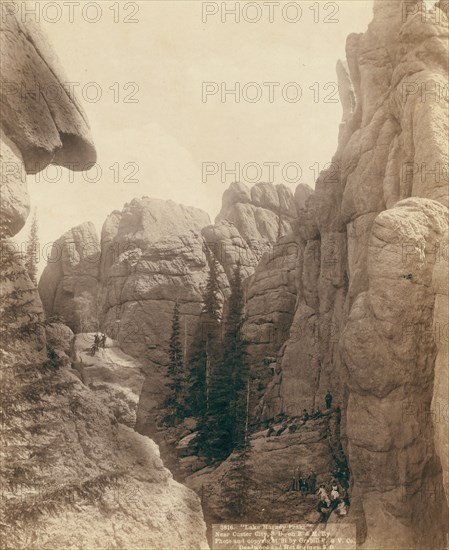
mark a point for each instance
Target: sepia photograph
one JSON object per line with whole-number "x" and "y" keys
{"x": 224, "y": 275}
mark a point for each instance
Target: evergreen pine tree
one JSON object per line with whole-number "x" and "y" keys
{"x": 196, "y": 366}
{"x": 174, "y": 402}
{"x": 235, "y": 354}
{"x": 32, "y": 249}
{"x": 205, "y": 354}
{"x": 227, "y": 411}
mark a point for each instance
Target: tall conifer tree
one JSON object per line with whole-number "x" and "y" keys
{"x": 32, "y": 249}
{"x": 174, "y": 402}
{"x": 205, "y": 352}
{"x": 227, "y": 413}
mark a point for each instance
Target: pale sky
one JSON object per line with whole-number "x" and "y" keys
{"x": 162, "y": 62}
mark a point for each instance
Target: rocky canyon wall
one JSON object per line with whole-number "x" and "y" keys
{"x": 152, "y": 254}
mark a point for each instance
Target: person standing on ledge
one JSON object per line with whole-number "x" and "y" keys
{"x": 328, "y": 399}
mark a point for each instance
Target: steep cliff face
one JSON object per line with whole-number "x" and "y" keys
{"x": 71, "y": 474}
{"x": 152, "y": 254}
{"x": 370, "y": 287}
{"x": 69, "y": 283}
{"x": 261, "y": 214}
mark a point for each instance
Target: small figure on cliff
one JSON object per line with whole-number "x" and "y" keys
{"x": 305, "y": 416}
{"x": 335, "y": 496}
{"x": 95, "y": 346}
{"x": 328, "y": 399}
{"x": 296, "y": 482}
{"x": 322, "y": 494}
{"x": 341, "y": 509}
{"x": 103, "y": 340}
{"x": 323, "y": 503}
{"x": 312, "y": 482}
{"x": 303, "y": 485}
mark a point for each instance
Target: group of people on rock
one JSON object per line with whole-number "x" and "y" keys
{"x": 305, "y": 483}
{"x": 99, "y": 341}
{"x": 317, "y": 414}
{"x": 306, "y": 416}
{"x": 338, "y": 500}
{"x": 333, "y": 498}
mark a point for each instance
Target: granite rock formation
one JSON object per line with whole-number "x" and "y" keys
{"x": 261, "y": 214}
{"x": 69, "y": 283}
{"x": 39, "y": 114}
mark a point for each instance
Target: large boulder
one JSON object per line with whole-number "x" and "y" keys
{"x": 14, "y": 200}
{"x": 261, "y": 215}
{"x": 39, "y": 114}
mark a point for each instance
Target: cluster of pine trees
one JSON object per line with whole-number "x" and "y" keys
{"x": 212, "y": 385}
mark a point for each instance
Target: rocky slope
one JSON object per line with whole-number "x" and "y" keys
{"x": 72, "y": 475}
{"x": 116, "y": 378}
{"x": 262, "y": 481}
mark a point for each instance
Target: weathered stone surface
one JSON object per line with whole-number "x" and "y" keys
{"x": 155, "y": 252}
{"x": 270, "y": 466}
{"x": 271, "y": 300}
{"x": 229, "y": 248}
{"x": 364, "y": 274}
{"x": 346, "y": 299}
{"x": 92, "y": 452}
{"x": 20, "y": 306}
{"x": 396, "y": 390}
{"x": 14, "y": 200}
{"x": 59, "y": 336}
{"x": 261, "y": 215}
{"x": 40, "y": 114}
{"x": 116, "y": 377}
{"x": 69, "y": 283}
{"x": 302, "y": 193}
{"x": 236, "y": 193}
